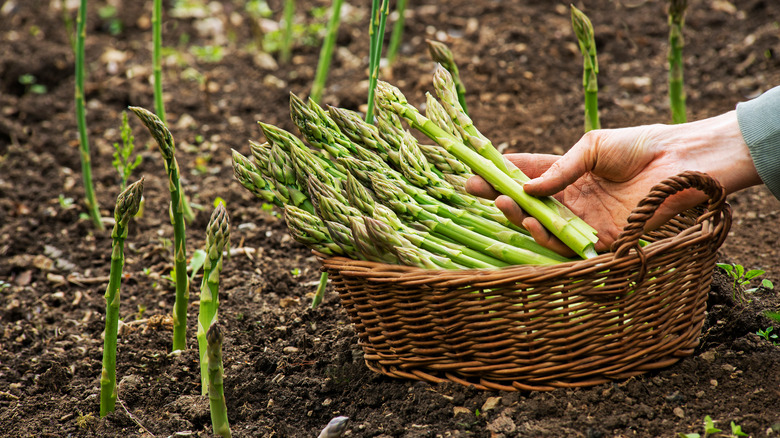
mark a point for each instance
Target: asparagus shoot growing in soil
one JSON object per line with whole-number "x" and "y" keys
{"x": 327, "y": 51}
{"x": 81, "y": 119}
{"x": 219, "y": 418}
{"x": 376, "y": 32}
{"x": 289, "y": 16}
{"x": 398, "y": 30}
{"x": 164, "y": 140}
{"x": 590, "y": 67}
{"x": 217, "y": 238}
{"x": 676, "y": 43}
{"x": 127, "y": 204}
{"x": 159, "y": 106}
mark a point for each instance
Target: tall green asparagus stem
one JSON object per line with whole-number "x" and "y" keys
{"x": 159, "y": 106}
{"x": 676, "y": 43}
{"x": 289, "y": 15}
{"x": 219, "y": 418}
{"x": 391, "y": 98}
{"x": 377, "y": 33}
{"x": 445, "y": 88}
{"x": 217, "y": 237}
{"x": 327, "y": 51}
{"x": 584, "y": 31}
{"x": 442, "y": 55}
{"x": 81, "y": 119}
{"x": 398, "y": 30}
{"x": 127, "y": 204}
{"x": 165, "y": 142}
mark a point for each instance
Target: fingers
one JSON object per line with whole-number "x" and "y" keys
{"x": 532, "y": 165}
{"x": 479, "y": 187}
{"x": 569, "y": 168}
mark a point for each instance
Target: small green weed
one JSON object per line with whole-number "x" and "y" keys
{"x": 742, "y": 277}
{"x": 31, "y": 84}
{"x": 711, "y": 431}
{"x": 768, "y": 335}
{"x": 122, "y": 161}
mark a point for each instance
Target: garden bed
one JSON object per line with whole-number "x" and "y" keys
{"x": 290, "y": 369}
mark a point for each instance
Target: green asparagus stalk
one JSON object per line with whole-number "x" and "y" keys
{"x": 81, "y": 119}
{"x": 219, "y": 418}
{"x": 398, "y": 30}
{"x": 252, "y": 179}
{"x": 391, "y": 98}
{"x": 327, "y": 51}
{"x": 442, "y": 55}
{"x": 217, "y": 238}
{"x": 309, "y": 229}
{"x": 167, "y": 148}
{"x": 319, "y": 294}
{"x": 159, "y": 106}
{"x": 377, "y": 36}
{"x": 445, "y": 88}
{"x": 676, "y": 43}
{"x": 438, "y": 114}
{"x": 403, "y": 205}
{"x": 127, "y": 204}
{"x": 289, "y": 15}
{"x": 584, "y": 31}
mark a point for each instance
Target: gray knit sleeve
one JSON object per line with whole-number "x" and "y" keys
{"x": 759, "y": 122}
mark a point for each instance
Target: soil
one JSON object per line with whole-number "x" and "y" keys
{"x": 290, "y": 369}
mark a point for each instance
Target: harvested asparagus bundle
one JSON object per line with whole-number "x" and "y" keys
{"x": 373, "y": 192}
{"x": 390, "y": 98}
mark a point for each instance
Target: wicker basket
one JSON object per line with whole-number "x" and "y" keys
{"x": 581, "y": 323}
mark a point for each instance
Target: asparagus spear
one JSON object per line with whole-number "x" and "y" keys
{"x": 326, "y": 52}
{"x": 335, "y": 428}
{"x": 217, "y": 238}
{"x": 81, "y": 118}
{"x": 442, "y": 55}
{"x": 127, "y": 204}
{"x": 219, "y": 418}
{"x": 165, "y": 142}
{"x": 403, "y": 205}
{"x": 676, "y": 43}
{"x": 472, "y": 137}
{"x": 251, "y": 178}
{"x": 391, "y": 98}
{"x": 590, "y": 69}
{"x": 310, "y": 230}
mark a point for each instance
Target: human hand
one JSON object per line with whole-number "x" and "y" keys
{"x": 604, "y": 175}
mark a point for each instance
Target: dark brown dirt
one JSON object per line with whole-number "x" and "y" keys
{"x": 290, "y": 369}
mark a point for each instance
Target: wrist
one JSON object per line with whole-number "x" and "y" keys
{"x": 715, "y": 146}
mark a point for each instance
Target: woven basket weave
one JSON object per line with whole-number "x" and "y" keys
{"x": 581, "y": 323}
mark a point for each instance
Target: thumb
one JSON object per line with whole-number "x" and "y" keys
{"x": 567, "y": 169}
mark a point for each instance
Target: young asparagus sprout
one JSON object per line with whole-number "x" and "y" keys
{"x": 584, "y": 31}
{"x": 376, "y": 31}
{"x": 398, "y": 29}
{"x": 217, "y": 238}
{"x": 81, "y": 119}
{"x": 219, "y": 418}
{"x": 442, "y": 55}
{"x": 127, "y": 204}
{"x": 335, "y": 428}
{"x": 676, "y": 43}
{"x": 166, "y": 145}
{"x": 326, "y": 52}
{"x": 289, "y": 16}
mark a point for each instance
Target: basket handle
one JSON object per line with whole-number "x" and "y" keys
{"x": 635, "y": 228}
